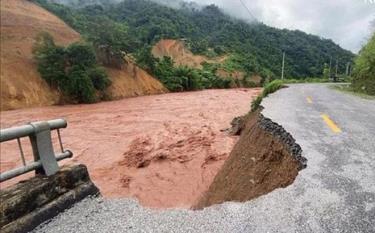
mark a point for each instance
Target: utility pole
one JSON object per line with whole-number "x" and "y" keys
{"x": 337, "y": 68}
{"x": 283, "y": 67}
{"x": 330, "y": 67}
{"x": 347, "y": 69}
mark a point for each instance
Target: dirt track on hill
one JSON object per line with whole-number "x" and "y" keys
{"x": 164, "y": 150}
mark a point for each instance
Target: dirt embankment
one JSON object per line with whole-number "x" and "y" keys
{"x": 181, "y": 55}
{"x": 130, "y": 81}
{"x": 265, "y": 158}
{"x": 21, "y": 84}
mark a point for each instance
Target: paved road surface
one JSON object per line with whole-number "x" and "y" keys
{"x": 336, "y": 193}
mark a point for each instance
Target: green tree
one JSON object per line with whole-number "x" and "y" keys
{"x": 102, "y": 31}
{"x": 146, "y": 60}
{"x": 50, "y": 58}
{"x": 79, "y": 86}
{"x": 99, "y": 78}
{"x": 72, "y": 70}
{"x": 326, "y": 71}
{"x": 364, "y": 69}
{"x": 80, "y": 54}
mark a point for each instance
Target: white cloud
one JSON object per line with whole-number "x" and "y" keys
{"x": 347, "y": 22}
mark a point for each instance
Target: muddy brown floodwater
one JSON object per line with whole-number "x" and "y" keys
{"x": 163, "y": 150}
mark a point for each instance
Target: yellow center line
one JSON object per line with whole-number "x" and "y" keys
{"x": 309, "y": 100}
{"x": 331, "y": 124}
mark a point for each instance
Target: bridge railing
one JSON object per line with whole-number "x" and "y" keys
{"x": 45, "y": 159}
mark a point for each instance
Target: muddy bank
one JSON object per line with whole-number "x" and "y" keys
{"x": 265, "y": 158}
{"x": 164, "y": 150}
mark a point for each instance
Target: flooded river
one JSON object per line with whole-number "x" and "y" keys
{"x": 163, "y": 150}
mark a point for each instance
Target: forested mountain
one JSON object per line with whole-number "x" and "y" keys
{"x": 133, "y": 26}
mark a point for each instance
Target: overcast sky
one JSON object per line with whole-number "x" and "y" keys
{"x": 347, "y": 22}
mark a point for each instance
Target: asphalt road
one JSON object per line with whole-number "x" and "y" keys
{"x": 335, "y": 193}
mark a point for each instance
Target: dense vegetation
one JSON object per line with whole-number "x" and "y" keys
{"x": 133, "y": 26}
{"x": 72, "y": 70}
{"x": 185, "y": 78}
{"x": 364, "y": 69}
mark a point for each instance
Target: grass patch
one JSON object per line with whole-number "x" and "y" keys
{"x": 268, "y": 89}
{"x": 306, "y": 80}
{"x": 340, "y": 79}
{"x": 347, "y": 88}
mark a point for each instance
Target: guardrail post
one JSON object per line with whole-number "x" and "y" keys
{"x": 41, "y": 143}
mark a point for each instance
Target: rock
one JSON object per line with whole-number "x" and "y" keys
{"x": 238, "y": 124}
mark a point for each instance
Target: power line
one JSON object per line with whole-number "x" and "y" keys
{"x": 248, "y": 10}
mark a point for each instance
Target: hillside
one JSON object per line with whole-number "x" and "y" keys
{"x": 255, "y": 48}
{"x": 132, "y": 81}
{"x": 21, "y": 84}
{"x": 181, "y": 55}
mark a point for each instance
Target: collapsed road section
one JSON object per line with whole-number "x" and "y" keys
{"x": 266, "y": 157}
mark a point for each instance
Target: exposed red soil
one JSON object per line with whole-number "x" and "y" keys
{"x": 164, "y": 150}
{"x": 21, "y": 21}
{"x": 181, "y": 55}
{"x": 131, "y": 81}
{"x": 259, "y": 163}
{"x": 21, "y": 84}
{"x": 235, "y": 74}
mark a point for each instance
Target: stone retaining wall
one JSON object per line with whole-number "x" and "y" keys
{"x": 31, "y": 202}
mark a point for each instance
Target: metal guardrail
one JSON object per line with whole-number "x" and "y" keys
{"x": 45, "y": 159}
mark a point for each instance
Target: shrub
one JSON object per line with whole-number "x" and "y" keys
{"x": 246, "y": 82}
{"x": 268, "y": 89}
{"x": 99, "y": 78}
{"x": 79, "y": 86}
{"x": 182, "y": 78}
{"x": 50, "y": 58}
{"x": 272, "y": 87}
{"x": 80, "y": 54}
{"x": 73, "y": 70}
{"x": 256, "y": 103}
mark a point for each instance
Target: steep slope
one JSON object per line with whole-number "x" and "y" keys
{"x": 180, "y": 54}
{"x": 21, "y": 85}
{"x": 131, "y": 80}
